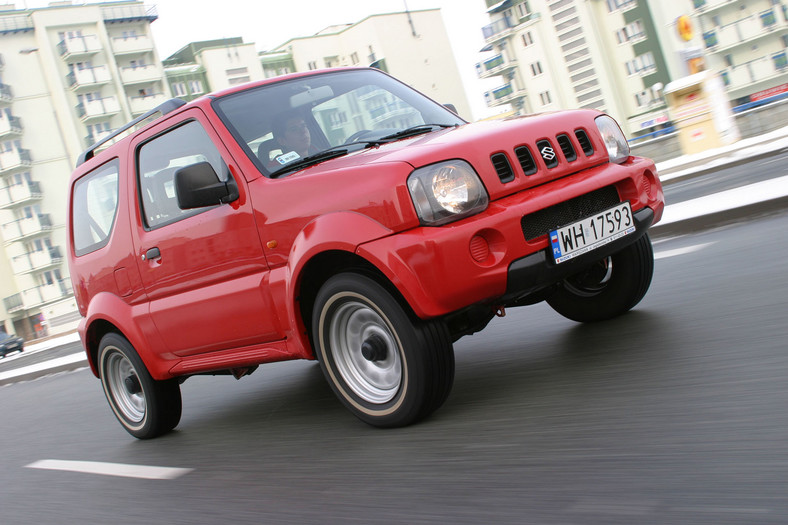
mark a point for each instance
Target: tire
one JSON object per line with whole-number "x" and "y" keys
{"x": 145, "y": 407}
{"x": 608, "y": 288}
{"x": 388, "y": 367}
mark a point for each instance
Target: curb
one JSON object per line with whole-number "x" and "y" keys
{"x": 55, "y": 366}
{"x": 721, "y": 218}
{"x": 690, "y": 173}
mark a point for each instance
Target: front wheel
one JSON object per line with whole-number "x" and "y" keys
{"x": 388, "y": 367}
{"x": 145, "y": 407}
{"x": 609, "y": 287}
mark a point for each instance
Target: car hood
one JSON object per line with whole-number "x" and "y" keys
{"x": 477, "y": 143}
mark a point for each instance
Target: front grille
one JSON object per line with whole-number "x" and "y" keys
{"x": 585, "y": 142}
{"x": 548, "y": 153}
{"x": 567, "y": 148}
{"x": 502, "y": 167}
{"x": 526, "y": 160}
{"x": 543, "y": 221}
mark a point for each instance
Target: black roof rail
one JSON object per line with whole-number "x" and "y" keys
{"x": 163, "y": 108}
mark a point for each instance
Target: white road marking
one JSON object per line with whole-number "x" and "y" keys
{"x": 110, "y": 469}
{"x": 681, "y": 251}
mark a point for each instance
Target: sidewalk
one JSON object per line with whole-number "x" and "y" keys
{"x": 705, "y": 212}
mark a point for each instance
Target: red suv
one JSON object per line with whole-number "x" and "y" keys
{"x": 342, "y": 216}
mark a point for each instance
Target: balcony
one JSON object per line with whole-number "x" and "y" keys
{"x": 38, "y": 296}
{"x": 90, "y": 77}
{"x": 10, "y": 127}
{"x": 140, "y": 105}
{"x": 494, "y": 66}
{"x": 131, "y": 45}
{"x": 6, "y": 96}
{"x": 502, "y": 95}
{"x": 131, "y": 13}
{"x": 79, "y": 47}
{"x": 19, "y": 195}
{"x": 27, "y": 227}
{"x": 101, "y": 108}
{"x": 141, "y": 74}
{"x": 36, "y": 261}
{"x": 743, "y": 31}
{"x": 13, "y": 160}
{"x": 499, "y": 29}
{"x": 92, "y": 138}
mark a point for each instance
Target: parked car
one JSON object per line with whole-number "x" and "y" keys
{"x": 342, "y": 216}
{"x": 10, "y": 344}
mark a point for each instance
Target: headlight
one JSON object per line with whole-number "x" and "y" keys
{"x": 446, "y": 191}
{"x": 616, "y": 143}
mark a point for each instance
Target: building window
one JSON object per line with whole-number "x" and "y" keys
{"x": 768, "y": 18}
{"x": 354, "y": 58}
{"x": 196, "y": 87}
{"x": 728, "y": 60}
{"x": 780, "y": 61}
{"x": 528, "y": 39}
{"x": 545, "y": 97}
{"x": 523, "y": 9}
{"x": 237, "y": 71}
{"x": 536, "y": 68}
{"x": 641, "y": 64}
{"x": 615, "y": 5}
{"x": 312, "y": 64}
{"x": 179, "y": 89}
{"x": 710, "y": 38}
{"x": 697, "y": 4}
{"x": 630, "y": 32}
{"x": 726, "y": 78}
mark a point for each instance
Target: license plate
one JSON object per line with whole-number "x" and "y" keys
{"x": 592, "y": 232}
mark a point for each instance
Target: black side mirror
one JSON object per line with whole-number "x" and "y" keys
{"x": 452, "y": 108}
{"x": 198, "y": 186}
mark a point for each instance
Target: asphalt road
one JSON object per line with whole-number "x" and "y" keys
{"x": 673, "y": 413}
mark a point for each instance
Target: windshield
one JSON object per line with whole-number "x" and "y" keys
{"x": 279, "y": 125}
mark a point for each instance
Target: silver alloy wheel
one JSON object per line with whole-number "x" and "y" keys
{"x": 130, "y": 402}
{"x": 373, "y": 380}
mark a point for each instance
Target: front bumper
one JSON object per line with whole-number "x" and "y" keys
{"x": 488, "y": 258}
{"x": 534, "y": 272}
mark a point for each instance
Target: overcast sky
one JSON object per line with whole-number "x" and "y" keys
{"x": 269, "y": 23}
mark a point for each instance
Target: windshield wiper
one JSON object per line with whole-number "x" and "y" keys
{"x": 327, "y": 154}
{"x": 414, "y": 130}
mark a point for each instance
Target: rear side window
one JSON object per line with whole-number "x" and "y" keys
{"x": 95, "y": 206}
{"x": 160, "y": 158}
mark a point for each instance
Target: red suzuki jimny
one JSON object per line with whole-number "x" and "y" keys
{"x": 342, "y": 216}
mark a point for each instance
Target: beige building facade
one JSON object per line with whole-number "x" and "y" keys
{"x": 412, "y": 46}
{"x": 70, "y": 75}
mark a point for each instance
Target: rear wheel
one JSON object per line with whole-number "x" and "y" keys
{"x": 145, "y": 407}
{"x": 609, "y": 287}
{"x": 388, "y": 367}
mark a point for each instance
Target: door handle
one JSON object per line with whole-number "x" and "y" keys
{"x": 151, "y": 254}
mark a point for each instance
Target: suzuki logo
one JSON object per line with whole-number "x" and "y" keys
{"x": 547, "y": 153}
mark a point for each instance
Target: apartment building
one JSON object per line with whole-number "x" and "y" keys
{"x": 413, "y": 46}
{"x": 746, "y": 42}
{"x": 211, "y": 65}
{"x": 560, "y": 54}
{"x": 69, "y": 75}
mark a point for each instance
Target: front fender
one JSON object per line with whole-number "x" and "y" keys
{"x": 339, "y": 231}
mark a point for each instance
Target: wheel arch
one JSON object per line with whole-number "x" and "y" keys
{"x": 109, "y": 313}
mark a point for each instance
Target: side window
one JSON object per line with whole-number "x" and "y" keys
{"x": 95, "y": 205}
{"x": 160, "y": 158}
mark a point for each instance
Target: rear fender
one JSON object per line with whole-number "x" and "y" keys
{"x": 131, "y": 321}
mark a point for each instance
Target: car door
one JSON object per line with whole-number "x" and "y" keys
{"x": 203, "y": 270}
